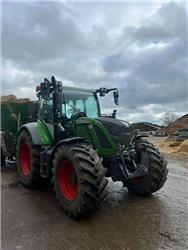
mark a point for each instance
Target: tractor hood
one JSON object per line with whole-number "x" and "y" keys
{"x": 115, "y": 127}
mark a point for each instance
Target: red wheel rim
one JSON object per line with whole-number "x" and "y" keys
{"x": 67, "y": 180}
{"x": 25, "y": 159}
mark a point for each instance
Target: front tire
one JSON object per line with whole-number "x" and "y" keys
{"x": 157, "y": 172}
{"x": 79, "y": 179}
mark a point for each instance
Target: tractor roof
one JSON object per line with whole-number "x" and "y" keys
{"x": 71, "y": 88}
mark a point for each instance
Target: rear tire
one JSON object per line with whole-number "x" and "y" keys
{"x": 28, "y": 162}
{"x": 79, "y": 179}
{"x": 157, "y": 173}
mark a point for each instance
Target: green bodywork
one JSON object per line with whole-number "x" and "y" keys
{"x": 44, "y": 133}
{"x": 85, "y": 128}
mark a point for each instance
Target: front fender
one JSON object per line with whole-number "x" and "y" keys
{"x": 68, "y": 141}
{"x": 136, "y": 136}
{"x": 63, "y": 142}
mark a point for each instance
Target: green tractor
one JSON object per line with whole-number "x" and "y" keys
{"x": 77, "y": 148}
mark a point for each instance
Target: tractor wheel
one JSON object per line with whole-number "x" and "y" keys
{"x": 79, "y": 179}
{"x": 157, "y": 172}
{"x": 28, "y": 162}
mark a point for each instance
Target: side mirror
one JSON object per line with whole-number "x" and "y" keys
{"x": 116, "y": 97}
{"x": 103, "y": 91}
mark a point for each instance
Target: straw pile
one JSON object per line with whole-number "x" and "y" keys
{"x": 174, "y": 148}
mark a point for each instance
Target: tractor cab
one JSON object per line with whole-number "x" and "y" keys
{"x": 72, "y": 103}
{"x": 77, "y": 101}
{"x": 77, "y": 112}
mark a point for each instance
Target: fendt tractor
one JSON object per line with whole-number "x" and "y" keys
{"x": 77, "y": 148}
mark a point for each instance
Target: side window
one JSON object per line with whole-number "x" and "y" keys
{"x": 46, "y": 111}
{"x": 91, "y": 108}
{"x": 67, "y": 108}
{"x": 80, "y": 105}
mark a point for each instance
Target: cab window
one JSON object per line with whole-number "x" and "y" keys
{"x": 91, "y": 107}
{"x": 46, "y": 111}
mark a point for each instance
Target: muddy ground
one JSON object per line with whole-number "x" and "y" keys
{"x": 32, "y": 219}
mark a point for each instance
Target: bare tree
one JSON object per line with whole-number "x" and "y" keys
{"x": 168, "y": 118}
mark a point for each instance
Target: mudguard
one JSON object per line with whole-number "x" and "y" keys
{"x": 39, "y": 133}
{"x": 67, "y": 141}
{"x": 47, "y": 156}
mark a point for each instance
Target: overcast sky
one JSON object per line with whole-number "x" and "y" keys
{"x": 141, "y": 48}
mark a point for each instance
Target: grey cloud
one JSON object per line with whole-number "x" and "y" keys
{"x": 93, "y": 45}
{"x": 38, "y": 31}
{"x": 171, "y": 22}
{"x": 158, "y": 72}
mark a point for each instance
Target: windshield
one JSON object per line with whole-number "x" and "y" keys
{"x": 76, "y": 100}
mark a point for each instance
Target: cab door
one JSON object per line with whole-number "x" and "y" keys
{"x": 46, "y": 115}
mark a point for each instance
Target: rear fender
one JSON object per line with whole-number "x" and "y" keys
{"x": 39, "y": 133}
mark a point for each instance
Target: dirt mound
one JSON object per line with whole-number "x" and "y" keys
{"x": 13, "y": 98}
{"x": 174, "y": 148}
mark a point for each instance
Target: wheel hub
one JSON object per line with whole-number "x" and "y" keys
{"x": 67, "y": 180}
{"x": 73, "y": 178}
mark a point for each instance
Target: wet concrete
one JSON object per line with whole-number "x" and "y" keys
{"x": 32, "y": 219}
